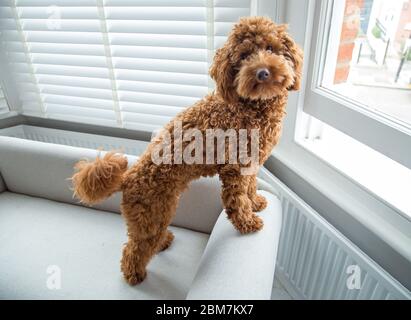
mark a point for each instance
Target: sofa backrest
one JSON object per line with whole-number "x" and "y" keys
{"x": 43, "y": 170}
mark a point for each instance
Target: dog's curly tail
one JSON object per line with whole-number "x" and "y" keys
{"x": 94, "y": 181}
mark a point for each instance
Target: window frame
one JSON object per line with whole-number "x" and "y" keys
{"x": 360, "y": 205}
{"x": 372, "y": 128}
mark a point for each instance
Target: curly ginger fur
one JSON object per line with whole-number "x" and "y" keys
{"x": 240, "y": 101}
{"x": 95, "y": 181}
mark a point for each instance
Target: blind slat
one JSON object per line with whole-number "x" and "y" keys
{"x": 145, "y": 118}
{"x": 62, "y": 70}
{"x": 75, "y": 91}
{"x": 58, "y": 37}
{"x": 158, "y": 40}
{"x": 161, "y": 65}
{"x": 142, "y": 97}
{"x": 67, "y": 48}
{"x": 69, "y": 60}
{"x": 162, "y": 88}
{"x": 146, "y": 108}
{"x": 62, "y": 3}
{"x": 156, "y": 3}
{"x": 61, "y": 25}
{"x": 58, "y": 12}
{"x": 162, "y": 77}
{"x": 235, "y": 4}
{"x": 185, "y": 54}
{"x": 155, "y": 13}
{"x": 31, "y": 107}
{"x": 83, "y": 82}
{"x": 78, "y": 101}
{"x": 158, "y": 27}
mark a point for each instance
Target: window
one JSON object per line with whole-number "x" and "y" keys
{"x": 124, "y": 63}
{"x": 331, "y": 166}
{"x": 357, "y": 101}
{"x": 373, "y": 52}
{"x": 361, "y": 73}
{"x": 3, "y": 103}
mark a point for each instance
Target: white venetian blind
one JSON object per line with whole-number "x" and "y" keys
{"x": 126, "y": 63}
{"x": 3, "y": 103}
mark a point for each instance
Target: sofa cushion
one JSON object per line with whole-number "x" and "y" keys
{"x": 85, "y": 244}
{"x": 43, "y": 170}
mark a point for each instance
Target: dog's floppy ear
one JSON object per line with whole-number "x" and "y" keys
{"x": 222, "y": 73}
{"x": 294, "y": 53}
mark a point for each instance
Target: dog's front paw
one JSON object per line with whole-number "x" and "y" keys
{"x": 248, "y": 224}
{"x": 259, "y": 203}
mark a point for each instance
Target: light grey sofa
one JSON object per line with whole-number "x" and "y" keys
{"x": 52, "y": 247}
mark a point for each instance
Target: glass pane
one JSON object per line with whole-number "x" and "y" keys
{"x": 369, "y": 55}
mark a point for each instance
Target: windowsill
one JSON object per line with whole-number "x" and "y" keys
{"x": 384, "y": 178}
{"x": 374, "y": 214}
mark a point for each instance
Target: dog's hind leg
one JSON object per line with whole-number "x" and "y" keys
{"x": 147, "y": 233}
{"x": 137, "y": 253}
{"x": 258, "y": 202}
{"x": 166, "y": 240}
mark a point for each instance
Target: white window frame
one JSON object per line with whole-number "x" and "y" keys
{"x": 348, "y": 116}
{"x": 378, "y": 216}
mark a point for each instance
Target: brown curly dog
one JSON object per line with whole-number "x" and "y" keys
{"x": 253, "y": 72}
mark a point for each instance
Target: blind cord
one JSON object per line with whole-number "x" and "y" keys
{"x": 109, "y": 61}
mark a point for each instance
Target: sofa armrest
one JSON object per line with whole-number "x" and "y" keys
{"x": 236, "y": 266}
{"x": 262, "y": 185}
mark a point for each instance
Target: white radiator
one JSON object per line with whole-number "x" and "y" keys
{"x": 75, "y": 139}
{"x": 315, "y": 261}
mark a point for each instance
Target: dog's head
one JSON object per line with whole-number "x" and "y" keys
{"x": 259, "y": 61}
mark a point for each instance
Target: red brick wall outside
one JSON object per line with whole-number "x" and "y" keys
{"x": 402, "y": 35}
{"x": 349, "y": 33}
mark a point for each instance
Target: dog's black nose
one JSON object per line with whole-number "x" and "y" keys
{"x": 263, "y": 74}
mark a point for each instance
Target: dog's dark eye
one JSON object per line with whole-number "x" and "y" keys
{"x": 269, "y": 48}
{"x": 244, "y": 55}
